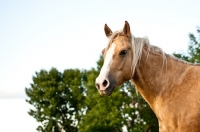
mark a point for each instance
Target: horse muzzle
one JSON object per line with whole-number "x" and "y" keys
{"x": 105, "y": 87}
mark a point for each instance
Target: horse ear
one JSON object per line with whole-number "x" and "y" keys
{"x": 126, "y": 29}
{"x": 107, "y": 30}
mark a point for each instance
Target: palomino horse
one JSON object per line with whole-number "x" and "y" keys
{"x": 170, "y": 86}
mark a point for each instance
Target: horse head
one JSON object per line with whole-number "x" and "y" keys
{"x": 118, "y": 56}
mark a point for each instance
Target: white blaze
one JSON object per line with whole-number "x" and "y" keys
{"x": 106, "y": 66}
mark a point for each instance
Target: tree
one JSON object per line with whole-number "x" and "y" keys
{"x": 57, "y": 98}
{"x": 193, "y": 54}
{"x": 69, "y": 101}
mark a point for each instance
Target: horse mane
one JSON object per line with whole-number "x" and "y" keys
{"x": 137, "y": 46}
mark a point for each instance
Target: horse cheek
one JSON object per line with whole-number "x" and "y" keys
{"x": 121, "y": 65}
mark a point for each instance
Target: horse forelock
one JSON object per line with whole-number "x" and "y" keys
{"x": 115, "y": 34}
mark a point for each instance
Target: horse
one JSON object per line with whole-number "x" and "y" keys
{"x": 170, "y": 86}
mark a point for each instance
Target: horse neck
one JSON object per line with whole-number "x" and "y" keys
{"x": 156, "y": 74}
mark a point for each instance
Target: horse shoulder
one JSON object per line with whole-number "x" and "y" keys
{"x": 179, "y": 108}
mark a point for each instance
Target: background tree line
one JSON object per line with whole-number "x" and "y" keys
{"x": 69, "y": 102}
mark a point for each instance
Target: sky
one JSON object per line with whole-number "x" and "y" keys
{"x": 65, "y": 34}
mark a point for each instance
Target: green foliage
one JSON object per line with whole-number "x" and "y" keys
{"x": 193, "y": 54}
{"x": 57, "y": 99}
{"x": 70, "y": 101}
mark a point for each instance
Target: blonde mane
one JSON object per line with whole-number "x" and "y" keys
{"x": 137, "y": 46}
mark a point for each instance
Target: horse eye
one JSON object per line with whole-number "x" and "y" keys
{"x": 123, "y": 52}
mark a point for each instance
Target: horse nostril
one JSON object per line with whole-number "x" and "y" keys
{"x": 97, "y": 86}
{"x": 105, "y": 83}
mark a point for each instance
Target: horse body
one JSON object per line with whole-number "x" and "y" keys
{"x": 172, "y": 90}
{"x": 170, "y": 86}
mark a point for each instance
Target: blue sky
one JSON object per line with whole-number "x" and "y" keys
{"x": 65, "y": 34}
